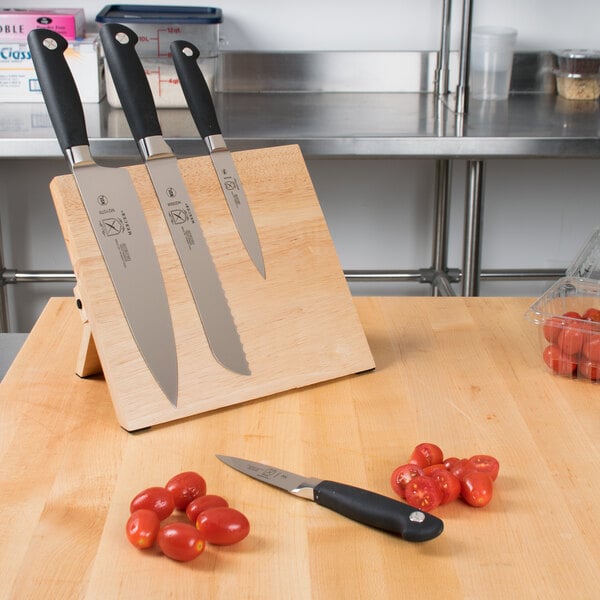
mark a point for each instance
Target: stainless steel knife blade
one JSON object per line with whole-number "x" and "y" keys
{"x": 355, "y": 503}
{"x": 203, "y": 279}
{"x": 115, "y": 214}
{"x": 199, "y": 100}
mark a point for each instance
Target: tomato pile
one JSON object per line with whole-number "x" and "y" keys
{"x": 429, "y": 480}
{"x": 573, "y": 344}
{"x": 209, "y": 518}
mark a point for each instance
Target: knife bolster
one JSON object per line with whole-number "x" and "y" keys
{"x": 79, "y": 156}
{"x": 154, "y": 146}
{"x": 307, "y": 489}
{"x": 215, "y": 143}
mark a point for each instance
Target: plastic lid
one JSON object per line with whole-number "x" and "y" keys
{"x": 587, "y": 263}
{"x": 570, "y": 75}
{"x": 142, "y": 13}
{"x": 577, "y": 54}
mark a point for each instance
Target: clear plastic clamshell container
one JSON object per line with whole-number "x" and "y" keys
{"x": 568, "y": 318}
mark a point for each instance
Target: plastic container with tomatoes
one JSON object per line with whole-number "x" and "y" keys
{"x": 568, "y": 318}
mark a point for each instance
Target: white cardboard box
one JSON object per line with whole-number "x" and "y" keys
{"x": 19, "y": 83}
{"x": 26, "y": 121}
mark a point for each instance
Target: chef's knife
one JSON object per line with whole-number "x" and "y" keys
{"x": 115, "y": 214}
{"x": 199, "y": 100}
{"x": 136, "y": 98}
{"x": 356, "y": 503}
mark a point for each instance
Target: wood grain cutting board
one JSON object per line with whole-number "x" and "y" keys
{"x": 298, "y": 326}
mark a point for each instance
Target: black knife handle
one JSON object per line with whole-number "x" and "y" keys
{"x": 378, "y": 511}
{"x": 195, "y": 89}
{"x": 130, "y": 80}
{"x": 58, "y": 87}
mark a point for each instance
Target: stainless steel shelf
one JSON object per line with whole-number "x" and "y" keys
{"x": 415, "y": 125}
{"x": 345, "y": 104}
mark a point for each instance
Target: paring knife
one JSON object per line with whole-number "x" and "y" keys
{"x": 358, "y": 504}
{"x": 200, "y": 103}
{"x": 136, "y": 99}
{"x": 115, "y": 214}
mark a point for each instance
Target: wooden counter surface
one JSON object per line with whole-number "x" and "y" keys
{"x": 464, "y": 373}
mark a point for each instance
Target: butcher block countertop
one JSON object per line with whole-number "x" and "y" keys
{"x": 464, "y": 373}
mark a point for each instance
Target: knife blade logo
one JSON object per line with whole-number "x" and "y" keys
{"x": 112, "y": 226}
{"x": 178, "y": 216}
{"x": 231, "y": 184}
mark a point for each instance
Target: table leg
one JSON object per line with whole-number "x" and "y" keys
{"x": 441, "y": 284}
{"x": 472, "y": 229}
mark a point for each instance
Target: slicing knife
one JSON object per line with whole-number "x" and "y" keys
{"x": 355, "y": 503}
{"x": 115, "y": 214}
{"x": 200, "y": 103}
{"x": 138, "y": 104}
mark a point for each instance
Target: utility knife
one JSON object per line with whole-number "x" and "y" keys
{"x": 355, "y": 503}
{"x": 199, "y": 100}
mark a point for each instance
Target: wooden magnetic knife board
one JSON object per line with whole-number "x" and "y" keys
{"x": 298, "y": 327}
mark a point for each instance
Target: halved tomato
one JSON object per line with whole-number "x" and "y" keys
{"x": 402, "y": 475}
{"x": 423, "y": 493}
{"x": 448, "y": 484}
{"x": 426, "y": 454}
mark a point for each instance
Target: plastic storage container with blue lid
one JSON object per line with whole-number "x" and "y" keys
{"x": 158, "y": 26}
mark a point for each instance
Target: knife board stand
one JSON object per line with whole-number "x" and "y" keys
{"x": 298, "y": 327}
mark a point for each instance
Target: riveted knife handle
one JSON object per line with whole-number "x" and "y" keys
{"x": 130, "y": 80}
{"x": 58, "y": 87}
{"x": 378, "y": 511}
{"x": 195, "y": 89}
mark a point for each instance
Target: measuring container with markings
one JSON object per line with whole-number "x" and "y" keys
{"x": 156, "y": 27}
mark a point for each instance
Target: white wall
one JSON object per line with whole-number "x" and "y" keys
{"x": 537, "y": 212}
{"x": 379, "y": 24}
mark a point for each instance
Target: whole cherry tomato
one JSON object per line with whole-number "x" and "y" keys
{"x": 185, "y": 487}
{"x": 142, "y": 528}
{"x": 476, "y": 488}
{"x": 557, "y": 361}
{"x": 485, "y": 464}
{"x": 158, "y": 499}
{"x": 423, "y": 493}
{"x": 591, "y": 347}
{"x": 552, "y": 328}
{"x": 202, "y": 503}
{"x": 590, "y": 369}
{"x": 592, "y": 314}
{"x": 402, "y": 475}
{"x": 448, "y": 484}
{"x": 426, "y": 454}
{"x": 222, "y": 526}
{"x": 180, "y": 541}
{"x": 570, "y": 339}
